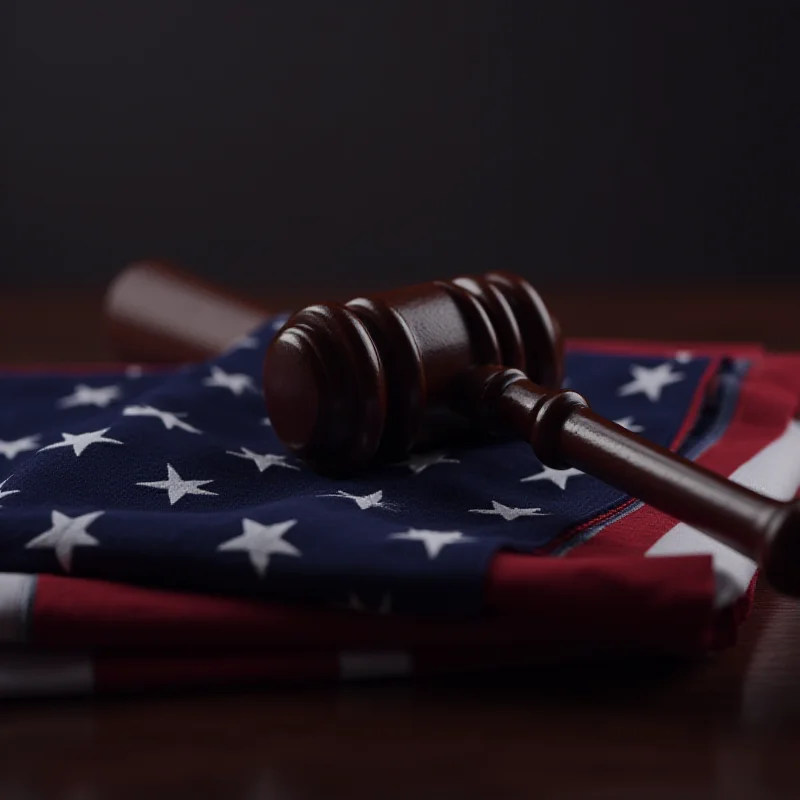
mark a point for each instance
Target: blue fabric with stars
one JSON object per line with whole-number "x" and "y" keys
{"x": 175, "y": 479}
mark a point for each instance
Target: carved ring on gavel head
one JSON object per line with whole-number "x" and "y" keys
{"x": 372, "y": 378}
{"x": 347, "y": 383}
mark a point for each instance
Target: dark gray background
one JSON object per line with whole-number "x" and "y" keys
{"x": 370, "y": 142}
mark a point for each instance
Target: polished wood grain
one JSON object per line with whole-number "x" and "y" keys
{"x": 727, "y": 727}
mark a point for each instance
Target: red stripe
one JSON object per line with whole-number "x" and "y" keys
{"x": 663, "y": 603}
{"x": 585, "y": 601}
{"x": 78, "y": 613}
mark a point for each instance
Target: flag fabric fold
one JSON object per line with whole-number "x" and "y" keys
{"x": 155, "y": 533}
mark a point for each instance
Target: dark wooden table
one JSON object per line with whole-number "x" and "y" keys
{"x": 728, "y": 727}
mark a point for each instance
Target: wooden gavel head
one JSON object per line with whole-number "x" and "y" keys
{"x": 372, "y": 378}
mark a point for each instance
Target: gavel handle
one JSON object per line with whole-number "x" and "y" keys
{"x": 159, "y": 313}
{"x": 564, "y": 432}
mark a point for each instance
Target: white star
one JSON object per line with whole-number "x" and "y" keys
{"x": 80, "y": 441}
{"x": 374, "y": 500}
{"x": 683, "y": 356}
{"x": 267, "y": 421}
{"x": 65, "y": 534}
{"x": 264, "y": 461}
{"x": 419, "y": 462}
{"x": 176, "y": 486}
{"x": 7, "y": 492}
{"x": 13, "y": 449}
{"x": 558, "y": 476}
{"x": 238, "y": 383}
{"x": 650, "y": 381}
{"x": 171, "y": 420}
{"x": 434, "y": 541}
{"x": 83, "y": 395}
{"x": 354, "y": 603}
{"x": 261, "y": 542}
{"x": 629, "y": 424}
{"x": 508, "y": 513}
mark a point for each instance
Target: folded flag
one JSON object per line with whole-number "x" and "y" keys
{"x": 154, "y": 532}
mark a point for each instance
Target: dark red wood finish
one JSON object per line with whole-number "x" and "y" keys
{"x": 374, "y": 377}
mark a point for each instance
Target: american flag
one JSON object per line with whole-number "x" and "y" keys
{"x": 154, "y": 532}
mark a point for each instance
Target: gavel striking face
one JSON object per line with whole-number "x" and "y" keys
{"x": 346, "y": 384}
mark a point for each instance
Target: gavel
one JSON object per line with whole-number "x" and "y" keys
{"x": 348, "y": 384}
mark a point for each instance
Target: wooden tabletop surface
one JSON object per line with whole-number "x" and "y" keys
{"x": 728, "y": 727}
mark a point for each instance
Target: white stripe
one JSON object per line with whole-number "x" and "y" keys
{"x": 388, "y": 664}
{"x": 16, "y": 592}
{"x": 775, "y": 472}
{"x": 44, "y": 675}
